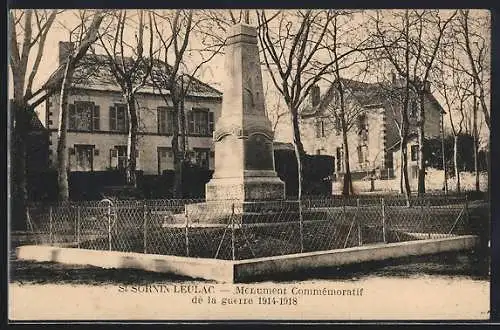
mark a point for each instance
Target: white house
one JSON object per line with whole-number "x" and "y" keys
{"x": 98, "y": 125}
{"x": 372, "y": 110}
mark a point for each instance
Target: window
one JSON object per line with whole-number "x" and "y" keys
{"x": 413, "y": 109}
{"x": 414, "y": 152}
{"x": 118, "y": 157}
{"x": 200, "y": 157}
{"x": 362, "y": 155}
{"x": 389, "y": 160}
{"x": 340, "y": 156}
{"x": 200, "y": 122}
{"x": 84, "y": 155}
{"x": 165, "y": 120}
{"x": 320, "y": 128}
{"x": 83, "y": 116}
{"x": 165, "y": 159}
{"x": 363, "y": 128}
{"x": 118, "y": 118}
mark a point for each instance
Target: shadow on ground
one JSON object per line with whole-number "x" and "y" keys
{"x": 469, "y": 264}
{"x": 464, "y": 264}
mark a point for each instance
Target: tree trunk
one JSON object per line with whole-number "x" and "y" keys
{"x": 299, "y": 149}
{"x": 62, "y": 152}
{"x": 176, "y": 192}
{"x": 476, "y": 147}
{"x": 18, "y": 165}
{"x": 183, "y": 140}
{"x": 443, "y": 154}
{"x": 132, "y": 141}
{"x": 455, "y": 161}
{"x": 421, "y": 142}
{"x": 405, "y": 173}
{"x": 347, "y": 188}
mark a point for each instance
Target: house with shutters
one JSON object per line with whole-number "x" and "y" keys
{"x": 98, "y": 121}
{"x": 372, "y": 116}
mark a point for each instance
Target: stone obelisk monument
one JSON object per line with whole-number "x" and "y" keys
{"x": 243, "y": 137}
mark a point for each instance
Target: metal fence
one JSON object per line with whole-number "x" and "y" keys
{"x": 235, "y": 230}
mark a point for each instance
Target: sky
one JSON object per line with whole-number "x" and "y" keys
{"x": 210, "y": 73}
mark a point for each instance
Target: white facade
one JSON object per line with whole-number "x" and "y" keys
{"x": 100, "y": 146}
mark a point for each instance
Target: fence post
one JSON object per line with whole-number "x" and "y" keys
{"x": 233, "y": 252}
{"x": 427, "y": 218}
{"x": 467, "y": 219}
{"x": 109, "y": 227}
{"x": 186, "y": 232}
{"x": 145, "y": 226}
{"x": 51, "y": 238}
{"x": 360, "y": 237}
{"x": 383, "y": 221}
{"x": 78, "y": 226}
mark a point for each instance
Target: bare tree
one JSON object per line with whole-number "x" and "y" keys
{"x": 131, "y": 73}
{"x": 85, "y": 37}
{"x": 455, "y": 89}
{"x": 411, "y": 48}
{"x": 174, "y": 29}
{"x": 476, "y": 48}
{"x": 289, "y": 48}
{"x": 345, "y": 55}
{"x": 396, "y": 50}
{"x": 28, "y": 30}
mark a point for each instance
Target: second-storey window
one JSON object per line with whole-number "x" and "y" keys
{"x": 118, "y": 118}
{"x": 200, "y": 121}
{"x": 165, "y": 120}
{"x": 414, "y": 152}
{"x": 83, "y": 116}
{"x": 320, "y": 128}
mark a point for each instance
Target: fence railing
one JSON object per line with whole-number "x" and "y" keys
{"x": 235, "y": 230}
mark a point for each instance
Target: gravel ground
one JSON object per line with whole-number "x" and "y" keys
{"x": 451, "y": 286}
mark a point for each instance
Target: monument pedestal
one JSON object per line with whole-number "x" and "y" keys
{"x": 267, "y": 186}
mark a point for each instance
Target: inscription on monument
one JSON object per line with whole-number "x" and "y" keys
{"x": 259, "y": 152}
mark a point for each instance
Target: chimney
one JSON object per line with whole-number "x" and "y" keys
{"x": 315, "y": 95}
{"x": 65, "y": 48}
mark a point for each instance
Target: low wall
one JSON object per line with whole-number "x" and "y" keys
{"x": 297, "y": 262}
{"x": 238, "y": 271}
{"x": 209, "y": 269}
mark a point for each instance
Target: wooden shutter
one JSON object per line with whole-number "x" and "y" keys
{"x": 126, "y": 116}
{"x": 162, "y": 128}
{"x": 158, "y": 119}
{"x": 169, "y": 116}
{"x": 71, "y": 116}
{"x": 112, "y": 118}
{"x": 190, "y": 116}
{"x": 210, "y": 123}
{"x": 96, "y": 117}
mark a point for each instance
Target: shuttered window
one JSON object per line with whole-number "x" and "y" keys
{"x": 200, "y": 122}
{"x": 118, "y": 118}
{"x": 83, "y": 116}
{"x": 165, "y": 120}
